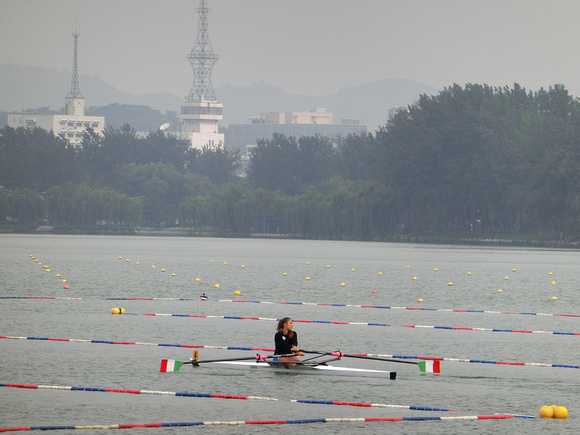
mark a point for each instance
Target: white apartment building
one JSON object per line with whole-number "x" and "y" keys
{"x": 69, "y": 127}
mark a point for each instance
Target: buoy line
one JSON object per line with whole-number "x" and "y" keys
{"x": 336, "y": 322}
{"x": 194, "y": 346}
{"x": 271, "y": 422}
{"x": 384, "y": 307}
{"x": 222, "y": 396}
{"x": 38, "y": 297}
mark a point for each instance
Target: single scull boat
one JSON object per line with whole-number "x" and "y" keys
{"x": 308, "y": 368}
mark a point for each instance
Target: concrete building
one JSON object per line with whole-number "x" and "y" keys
{"x": 242, "y": 137}
{"x": 69, "y": 127}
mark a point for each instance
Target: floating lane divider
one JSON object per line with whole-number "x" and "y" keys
{"x": 222, "y": 396}
{"x": 38, "y": 297}
{"x": 190, "y": 346}
{"x": 263, "y": 422}
{"x": 447, "y": 310}
{"x": 194, "y": 346}
{"x": 451, "y": 328}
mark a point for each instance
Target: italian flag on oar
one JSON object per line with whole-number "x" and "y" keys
{"x": 170, "y": 365}
{"x": 429, "y": 366}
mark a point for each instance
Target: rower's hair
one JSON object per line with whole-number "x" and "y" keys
{"x": 281, "y": 324}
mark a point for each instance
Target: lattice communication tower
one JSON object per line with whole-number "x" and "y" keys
{"x": 75, "y": 92}
{"x": 202, "y": 59}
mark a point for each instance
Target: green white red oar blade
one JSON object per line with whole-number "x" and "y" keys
{"x": 170, "y": 365}
{"x": 429, "y": 366}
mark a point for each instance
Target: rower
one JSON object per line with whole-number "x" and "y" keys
{"x": 286, "y": 341}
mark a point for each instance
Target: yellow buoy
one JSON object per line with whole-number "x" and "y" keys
{"x": 137, "y": 263}
{"x": 380, "y": 273}
{"x": 58, "y": 275}
{"x": 505, "y": 277}
{"x": 435, "y": 270}
{"x": 449, "y": 283}
{"x": 162, "y": 270}
{"x": 117, "y": 310}
{"x": 342, "y": 284}
{"x": 419, "y": 300}
{"x": 414, "y": 278}
{"x": 469, "y": 273}
{"x": 553, "y": 282}
{"x": 500, "y": 290}
{"x": 120, "y": 258}
{"x": 237, "y": 292}
{"x": 172, "y": 274}
{"x": 554, "y": 298}
{"x": 152, "y": 267}
{"x": 550, "y": 273}
{"x": 127, "y": 260}
{"x": 212, "y": 261}
{"x": 327, "y": 266}
{"x": 64, "y": 280}
{"x": 352, "y": 270}
{"x": 216, "y": 286}
{"x": 243, "y": 266}
{"x": 48, "y": 270}
{"x": 197, "y": 279}
{"x": 45, "y": 266}
{"x": 408, "y": 266}
{"x": 225, "y": 262}
{"x": 308, "y": 262}
{"x": 546, "y": 412}
{"x": 284, "y": 274}
{"x": 513, "y": 270}
{"x": 307, "y": 278}
{"x": 560, "y": 413}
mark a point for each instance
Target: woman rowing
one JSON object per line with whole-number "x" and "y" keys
{"x": 286, "y": 341}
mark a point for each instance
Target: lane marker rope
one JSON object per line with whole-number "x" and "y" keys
{"x": 271, "y": 422}
{"x": 447, "y": 310}
{"x": 221, "y": 396}
{"x": 335, "y": 322}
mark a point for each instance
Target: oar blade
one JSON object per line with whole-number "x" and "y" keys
{"x": 429, "y": 366}
{"x": 170, "y": 365}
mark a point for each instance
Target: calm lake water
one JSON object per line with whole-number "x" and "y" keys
{"x": 444, "y": 277}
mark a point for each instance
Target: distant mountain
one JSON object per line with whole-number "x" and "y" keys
{"x": 23, "y": 87}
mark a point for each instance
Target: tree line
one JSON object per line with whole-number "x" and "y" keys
{"x": 469, "y": 159}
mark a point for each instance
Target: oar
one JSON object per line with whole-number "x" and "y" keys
{"x": 171, "y": 365}
{"x": 431, "y": 366}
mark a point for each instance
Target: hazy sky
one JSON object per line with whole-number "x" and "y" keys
{"x": 312, "y": 47}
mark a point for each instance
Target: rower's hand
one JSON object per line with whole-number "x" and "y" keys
{"x": 297, "y": 351}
